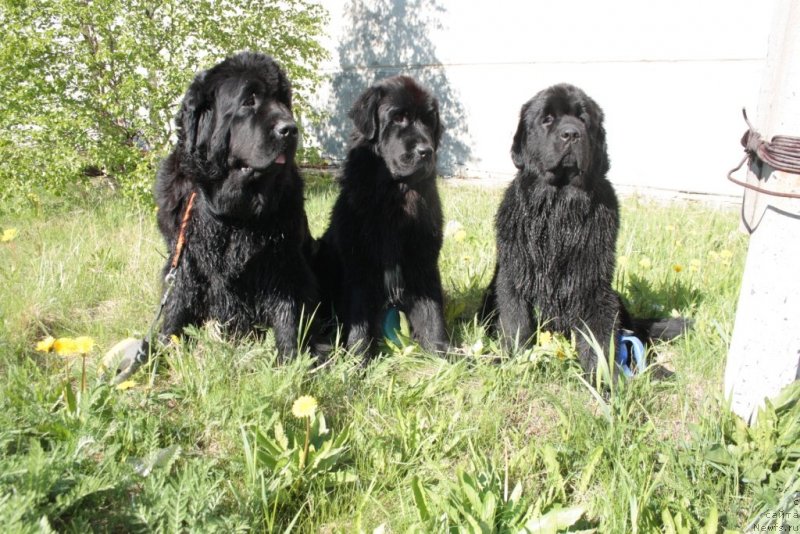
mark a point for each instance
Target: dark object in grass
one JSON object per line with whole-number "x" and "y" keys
{"x": 381, "y": 249}
{"x": 557, "y": 231}
{"x": 246, "y": 259}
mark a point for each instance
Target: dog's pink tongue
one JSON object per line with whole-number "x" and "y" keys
{"x": 280, "y": 159}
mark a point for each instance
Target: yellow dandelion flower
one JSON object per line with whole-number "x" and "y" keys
{"x": 460, "y": 235}
{"x": 670, "y": 228}
{"x": 64, "y": 346}
{"x": 466, "y": 259}
{"x": 84, "y": 344}
{"x": 46, "y": 345}
{"x": 677, "y": 267}
{"x": 8, "y": 235}
{"x": 175, "y": 339}
{"x": 128, "y": 384}
{"x": 80, "y": 345}
{"x": 304, "y": 406}
{"x": 645, "y": 263}
{"x": 694, "y": 265}
{"x": 544, "y": 338}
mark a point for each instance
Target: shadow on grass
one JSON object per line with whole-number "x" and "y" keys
{"x": 644, "y": 298}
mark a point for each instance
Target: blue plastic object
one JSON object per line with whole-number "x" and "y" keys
{"x": 391, "y": 325}
{"x": 630, "y": 353}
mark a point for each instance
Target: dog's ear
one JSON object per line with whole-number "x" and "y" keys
{"x": 364, "y": 112}
{"x": 520, "y": 138}
{"x": 600, "y": 161}
{"x": 284, "y": 88}
{"x": 196, "y": 115}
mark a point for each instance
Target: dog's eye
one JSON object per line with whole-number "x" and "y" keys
{"x": 250, "y": 101}
{"x": 399, "y": 118}
{"x": 548, "y": 120}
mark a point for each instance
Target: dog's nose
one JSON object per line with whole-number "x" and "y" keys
{"x": 569, "y": 134}
{"x": 286, "y": 129}
{"x": 424, "y": 151}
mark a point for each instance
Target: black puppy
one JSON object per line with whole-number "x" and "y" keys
{"x": 557, "y": 230}
{"x": 382, "y": 247}
{"x": 246, "y": 258}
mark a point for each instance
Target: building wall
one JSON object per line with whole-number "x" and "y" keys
{"x": 672, "y": 77}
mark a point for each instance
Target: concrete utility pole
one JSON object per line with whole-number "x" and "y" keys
{"x": 764, "y": 355}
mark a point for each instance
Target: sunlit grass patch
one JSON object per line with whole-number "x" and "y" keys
{"x": 206, "y": 437}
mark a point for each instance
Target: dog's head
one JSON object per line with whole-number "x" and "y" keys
{"x": 237, "y": 135}
{"x": 399, "y": 119}
{"x": 560, "y": 137}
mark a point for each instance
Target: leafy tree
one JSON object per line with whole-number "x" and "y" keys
{"x": 90, "y": 87}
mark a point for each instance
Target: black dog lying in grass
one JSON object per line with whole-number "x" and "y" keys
{"x": 557, "y": 231}
{"x": 382, "y": 247}
{"x": 246, "y": 258}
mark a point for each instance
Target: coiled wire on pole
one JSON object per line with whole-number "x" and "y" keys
{"x": 782, "y": 153}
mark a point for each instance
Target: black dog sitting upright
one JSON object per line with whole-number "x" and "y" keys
{"x": 246, "y": 258}
{"x": 382, "y": 247}
{"x": 557, "y": 230}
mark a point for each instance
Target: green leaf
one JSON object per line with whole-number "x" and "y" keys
{"x": 280, "y": 436}
{"x": 718, "y": 454}
{"x": 338, "y": 478}
{"x": 469, "y": 488}
{"x": 405, "y": 326}
{"x": 550, "y": 459}
{"x": 423, "y": 511}
{"x": 69, "y": 397}
{"x": 712, "y": 521}
{"x": 668, "y": 522}
{"x": 516, "y": 493}
{"x": 588, "y": 471}
{"x": 160, "y": 458}
{"x": 554, "y": 520}
{"x": 489, "y": 507}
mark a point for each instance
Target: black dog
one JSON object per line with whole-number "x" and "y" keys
{"x": 382, "y": 247}
{"x": 557, "y": 230}
{"x": 246, "y": 258}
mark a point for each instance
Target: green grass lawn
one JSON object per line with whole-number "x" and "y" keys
{"x": 479, "y": 441}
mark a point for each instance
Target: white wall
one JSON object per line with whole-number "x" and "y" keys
{"x": 671, "y": 76}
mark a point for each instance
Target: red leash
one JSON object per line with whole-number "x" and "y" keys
{"x": 182, "y": 233}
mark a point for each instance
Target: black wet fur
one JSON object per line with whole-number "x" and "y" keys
{"x": 246, "y": 258}
{"x": 556, "y": 231}
{"x": 382, "y": 246}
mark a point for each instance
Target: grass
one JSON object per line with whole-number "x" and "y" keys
{"x": 477, "y": 441}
